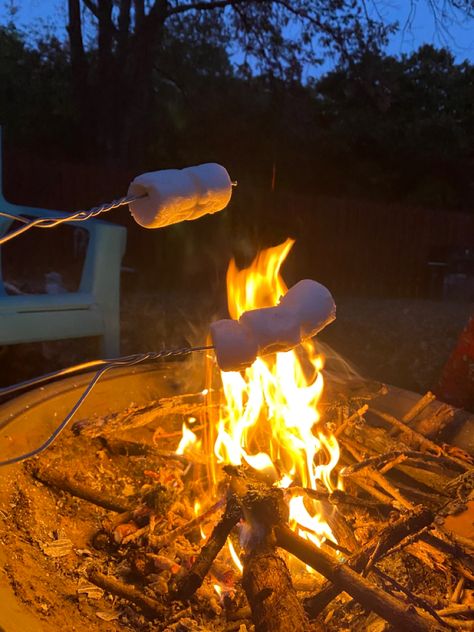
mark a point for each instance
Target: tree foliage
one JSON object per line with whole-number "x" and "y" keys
{"x": 275, "y": 36}
{"x": 225, "y": 83}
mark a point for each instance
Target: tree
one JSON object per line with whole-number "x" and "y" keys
{"x": 115, "y": 85}
{"x": 401, "y": 129}
{"x": 35, "y": 101}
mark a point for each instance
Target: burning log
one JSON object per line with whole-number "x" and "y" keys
{"x": 270, "y": 592}
{"x": 266, "y": 579}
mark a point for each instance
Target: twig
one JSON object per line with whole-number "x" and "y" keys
{"x": 162, "y": 540}
{"x": 60, "y": 480}
{"x": 417, "y": 601}
{"x": 380, "y": 479}
{"x": 432, "y": 425}
{"x": 373, "y": 491}
{"x": 382, "y": 460}
{"x": 150, "y": 607}
{"x": 418, "y": 440}
{"x": 133, "y": 537}
{"x": 457, "y": 592}
{"x": 407, "y": 542}
{"x": 338, "y": 497}
{"x": 347, "y": 422}
{"x": 457, "y": 610}
{"x": 376, "y": 441}
{"x": 420, "y": 405}
{"x": 186, "y": 612}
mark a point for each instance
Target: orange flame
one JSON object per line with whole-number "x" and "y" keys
{"x": 268, "y": 416}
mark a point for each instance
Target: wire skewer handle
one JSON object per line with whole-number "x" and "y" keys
{"x": 106, "y": 365}
{"x": 52, "y": 222}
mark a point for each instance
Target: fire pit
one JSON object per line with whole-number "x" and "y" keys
{"x": 268, "y": 500}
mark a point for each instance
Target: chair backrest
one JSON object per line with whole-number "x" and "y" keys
{"x": 105, "y": 249}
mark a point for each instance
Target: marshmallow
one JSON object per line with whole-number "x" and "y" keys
{"x": 234, "y": 345}
{"x": 313, "y": 305}
{"x": 274, "y": 328}
{"x": 177, "y": 195}
{"x": 304, "y": 310}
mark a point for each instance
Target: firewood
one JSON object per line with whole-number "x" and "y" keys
{"x": 366, "y": 593}
{"x": 347, "y": 422}
{"x": 271, "y": 595}
{"x": 458, "y": 590}
{"x": 341, "y": 498}
{"x": 418, "y": 407}
{"x": 417, "y": 440}
{"x": 150, "y": 607}
{"x": 428, "y": 471}
{"x": 372, "y": 551}
{"x": 433, "y": 425}
{"x": 188, "y": 585}
{"x": 412, "y": 598}
{"x": 162, "y": 540}
{"x": 60, "y": 480}
{"x": 266, "y": 579}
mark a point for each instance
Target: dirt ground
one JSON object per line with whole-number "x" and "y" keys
{"x": 404, "y": 342}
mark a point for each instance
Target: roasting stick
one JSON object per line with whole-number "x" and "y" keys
{"x": 125, "y": 361}
{"x": 52, "y": 222}
{"x": 156, "y": 199}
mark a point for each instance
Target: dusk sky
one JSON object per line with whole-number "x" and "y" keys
{"x": 459, "y": 37}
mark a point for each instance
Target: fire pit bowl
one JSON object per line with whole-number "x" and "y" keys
{"x": 26, "y": 421}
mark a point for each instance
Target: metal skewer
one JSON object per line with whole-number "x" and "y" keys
{"x": 79, "y": 216}
{"x": 51, "y": 222}
{"x": 106, "y": 365}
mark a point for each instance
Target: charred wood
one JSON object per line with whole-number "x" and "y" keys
{"x": 188, "y": 585}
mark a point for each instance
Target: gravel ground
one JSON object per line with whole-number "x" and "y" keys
{"x": 399, "y": 341}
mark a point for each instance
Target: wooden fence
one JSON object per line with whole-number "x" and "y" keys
{"x": 354, "y": 247}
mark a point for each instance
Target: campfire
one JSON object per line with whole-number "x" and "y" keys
{"x": 267, "y": 500}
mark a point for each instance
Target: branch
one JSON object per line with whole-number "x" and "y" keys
{"x": 139, "y": 12}
{"x": 368, "y": 595}
{"x": 98, "y": 12}
{"x": 93, "y": 8}
{"x": 74, "y": 29}
{"x": 123, "y": 27}
{"x": 207, "y": 6}
{"x": 76, "y": 43}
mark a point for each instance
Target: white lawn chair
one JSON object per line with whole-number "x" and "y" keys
{"x": 94, "y": 310}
